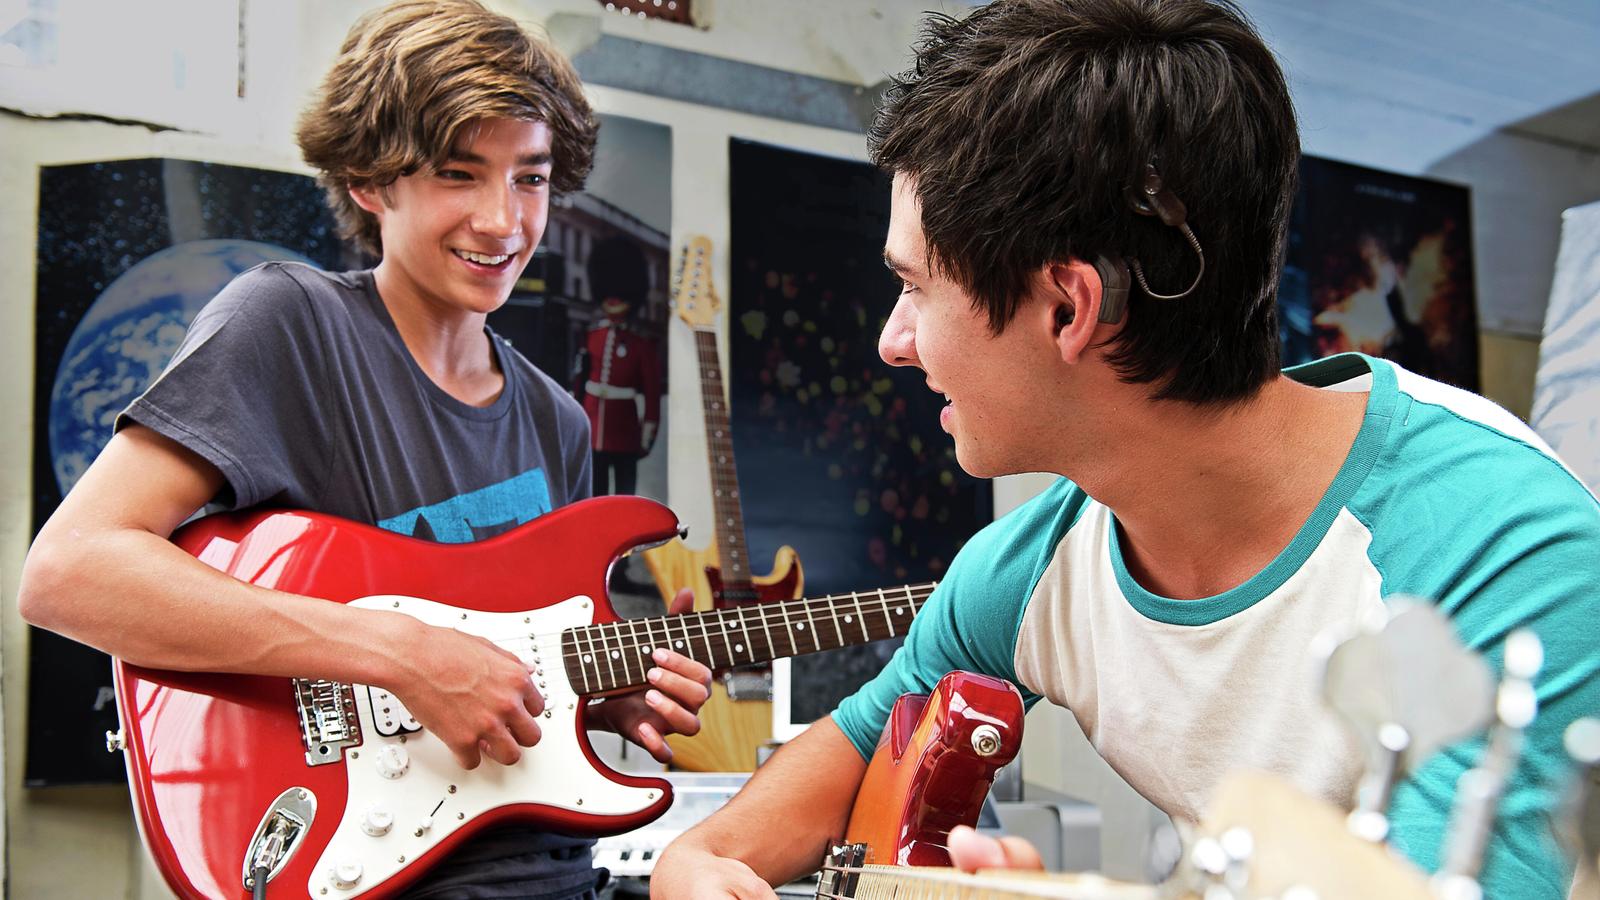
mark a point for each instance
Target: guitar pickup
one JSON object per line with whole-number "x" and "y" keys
{"x": 389, "y": 716}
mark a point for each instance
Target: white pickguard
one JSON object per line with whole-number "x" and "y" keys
{"x": 434, "y": 796}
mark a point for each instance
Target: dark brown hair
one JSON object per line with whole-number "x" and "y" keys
{"x": 410, "y": 75}
{"x": 1025, "y": 123}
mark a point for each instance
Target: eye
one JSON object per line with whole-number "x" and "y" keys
{"x": 906, "y": 287}
{"x": 454, "y": 175}
{"x": 535, "y": 179}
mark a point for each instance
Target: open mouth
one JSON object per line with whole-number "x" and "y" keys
{"x": 488, "y": 262}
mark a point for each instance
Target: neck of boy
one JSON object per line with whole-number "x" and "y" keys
{"x": 1206, "y": 498}
{"x": 450, "y": 344}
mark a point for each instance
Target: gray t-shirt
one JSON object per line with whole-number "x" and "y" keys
{"x": 296, "y": 385}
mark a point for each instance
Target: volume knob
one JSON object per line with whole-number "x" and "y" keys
{"x": 393, "y": 761}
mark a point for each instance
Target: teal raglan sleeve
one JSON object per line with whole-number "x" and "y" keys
{"x": 1510, "y": 539}
{"x": 972, "y": 620}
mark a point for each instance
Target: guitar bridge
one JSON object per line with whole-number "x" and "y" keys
{"x": 328, "y": 720}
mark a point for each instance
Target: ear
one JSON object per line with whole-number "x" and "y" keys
{"x": 1072, "y": 289}
{"x": 369, "y": 198}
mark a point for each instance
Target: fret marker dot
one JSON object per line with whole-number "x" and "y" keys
{"x": 738, "y": 648}
{"x": 616, "y": 654}
{"x": 799, "y": 626}
{"x": 588, "y": 658}
{"x": 679, "y": 644}
{"x": 645, "y": 650}
{"x": 849, "y": 619}
{"x": 900, "y": 612}
{"x": 727, "y": 624}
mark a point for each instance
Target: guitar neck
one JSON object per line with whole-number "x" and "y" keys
{"x": 728, "y": 511}
{"x": 602, "y": 659}
{"x": 848, "y": 881}
{"x": 841, "y": 882}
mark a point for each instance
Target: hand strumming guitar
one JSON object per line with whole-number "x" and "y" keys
{"x": 481, "y": 701}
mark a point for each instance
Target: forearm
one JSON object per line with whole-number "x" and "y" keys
{"x": 809, "y": 786}
{"x": 136, "y": 596}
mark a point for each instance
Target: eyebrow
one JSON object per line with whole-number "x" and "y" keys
{"x": 531, "y": 159}
{"x": 898, "y": 266}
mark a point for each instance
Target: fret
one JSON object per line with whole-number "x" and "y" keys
{"x": 861, "y": 617}
{"x": 623, "y": 656}
{"x": 812, "y": 624}
{"x": 605, "y": 649}
{"x": 727, "y": 640}
{"x": 833, "y": 613}
{"x": 636, "y": 652}
{"x": 584, "y": 664}
{"x": 887, "y": 619}
{"x": 766, "y": 628}
{"x": 705, "y": 638}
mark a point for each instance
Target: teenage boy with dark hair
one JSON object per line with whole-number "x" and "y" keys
{"x": 1215, "y": 515}
{"x": 379, "y": 396}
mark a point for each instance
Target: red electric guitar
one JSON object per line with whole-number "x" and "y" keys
{"x": 935, "y": 762}
{"x": 339, "y": 783}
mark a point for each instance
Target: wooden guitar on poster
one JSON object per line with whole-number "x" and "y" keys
{"x": 733, "y": 723}
{"x": 335, "y": 788}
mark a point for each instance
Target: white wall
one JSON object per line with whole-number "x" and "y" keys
{"x": 1354, "y": 105}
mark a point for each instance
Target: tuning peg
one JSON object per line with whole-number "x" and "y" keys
{"x": 1478, "y": 791}
{"x": 1406, "y": 686}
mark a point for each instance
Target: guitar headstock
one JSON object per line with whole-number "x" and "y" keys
{"x": 1405, "y": 687}
{"x": 1262, "y": 837}
{"x": 693, "y": 295}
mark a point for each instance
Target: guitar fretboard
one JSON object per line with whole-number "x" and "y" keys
{"x": 615, "y": 656}
{"x": 924, "y": 883}
{"x": 729, "y": 524}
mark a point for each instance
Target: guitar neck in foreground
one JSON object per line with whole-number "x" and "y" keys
{"x": 603, "y": 659}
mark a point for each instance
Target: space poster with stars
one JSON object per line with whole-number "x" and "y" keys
{"x": 839, "y": 455}
{"x": 1380, "y": 263}
{"x": 128, "y": 252}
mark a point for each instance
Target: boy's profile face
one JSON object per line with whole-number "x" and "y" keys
{"x": 991, "y": 407}
{"x": 457, "y": 237}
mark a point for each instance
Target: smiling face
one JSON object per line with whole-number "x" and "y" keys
{"x": 456, "y": 238}
{"x": 991, "y": 383}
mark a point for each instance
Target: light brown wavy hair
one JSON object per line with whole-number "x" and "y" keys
{"x": 408, "y": 78}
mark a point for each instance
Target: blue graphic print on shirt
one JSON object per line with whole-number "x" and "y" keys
{"x": 478, "y": 514}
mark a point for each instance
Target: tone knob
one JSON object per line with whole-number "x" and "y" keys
{"x": 346, "y": 874}
{"x": 377, "y": 821}
{"x": 393, "y": 761}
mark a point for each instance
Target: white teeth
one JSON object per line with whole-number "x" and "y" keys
{"x": 483, "y": 259}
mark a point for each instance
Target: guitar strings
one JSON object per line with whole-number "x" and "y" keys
{"x": 609, "y": 641}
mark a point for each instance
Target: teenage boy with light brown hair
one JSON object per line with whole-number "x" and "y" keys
{"x": 379, "y": 396}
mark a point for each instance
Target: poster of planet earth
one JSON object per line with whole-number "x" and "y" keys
{"x": 128, "y": 252}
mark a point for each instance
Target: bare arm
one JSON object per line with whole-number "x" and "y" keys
{"x": 775, "y": 829}
{"x": 103, "y": 572}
